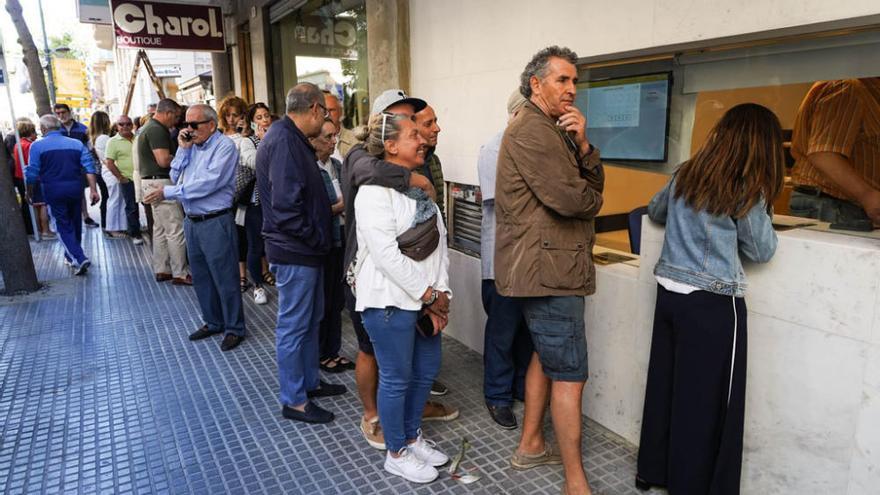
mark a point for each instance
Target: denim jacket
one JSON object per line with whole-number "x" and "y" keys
{"x": 703, "y": 250}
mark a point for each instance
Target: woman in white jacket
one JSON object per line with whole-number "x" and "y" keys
{"x": 400, "y": 274}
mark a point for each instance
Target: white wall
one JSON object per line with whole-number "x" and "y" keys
{"x": 467, "y": 55}
{"x": 813, "y": 380}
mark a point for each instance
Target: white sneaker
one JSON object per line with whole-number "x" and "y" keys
{"x": 260, "y": 296}
{"x": 426, "y": 452}
{"x": 137, "y": 241}
{"x": 409, "y": 467}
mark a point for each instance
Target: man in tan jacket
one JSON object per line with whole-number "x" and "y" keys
{"x": 547, "y": 193}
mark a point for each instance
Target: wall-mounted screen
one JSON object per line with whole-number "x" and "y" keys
{"x": 627, "y": 118}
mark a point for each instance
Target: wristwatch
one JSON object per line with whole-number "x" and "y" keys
{"x": 433, "y": 298}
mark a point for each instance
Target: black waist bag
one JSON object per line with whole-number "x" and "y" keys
{"x": 420, "y": 241}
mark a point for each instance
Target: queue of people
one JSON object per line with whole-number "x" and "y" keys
{"x": 340, "y": 219}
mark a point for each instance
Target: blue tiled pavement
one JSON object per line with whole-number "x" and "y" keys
{"x": 101, "y": 392}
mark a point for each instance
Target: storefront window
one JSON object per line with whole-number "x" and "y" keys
{"x": 324, "y": 42}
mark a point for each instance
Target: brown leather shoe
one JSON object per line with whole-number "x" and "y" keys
{"x": 435, "y": 411}
{"x": 163, "y": 277}
{"x": 187, "y": 280}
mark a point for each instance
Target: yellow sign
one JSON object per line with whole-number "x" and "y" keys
{"x": 71, "y": 80}
{"x": 74, "y": 102}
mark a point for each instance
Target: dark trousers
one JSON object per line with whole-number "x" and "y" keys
{"x": 66, "y": 209}
{"x": 330, "y": 333}
{"x": 132, "y": 210}
{"x": 211, "y": 245}
{"x": 692, "y": 437}
{"x": 507, "y": 348}
{"x": 102, "y": 205}
{"x": 253, "y": 225}
{"x": 25, "y": 211}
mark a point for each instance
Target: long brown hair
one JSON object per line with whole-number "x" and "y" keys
{"x": 228, "y": 104}
{"x": 99, "y": 124}
{"x": 741, "y": 162}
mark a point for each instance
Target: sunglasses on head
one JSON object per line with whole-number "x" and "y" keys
{"x": 195, "y": 125}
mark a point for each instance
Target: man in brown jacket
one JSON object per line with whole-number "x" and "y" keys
{"x": 548, "y": 191}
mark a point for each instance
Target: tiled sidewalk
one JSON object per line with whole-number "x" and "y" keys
{"x": 101, "y": 392}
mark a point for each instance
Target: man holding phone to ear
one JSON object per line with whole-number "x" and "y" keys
{"x": 155, "y": 150}
{"x": 203, "y": 180}
{"x": 548, "y": 190}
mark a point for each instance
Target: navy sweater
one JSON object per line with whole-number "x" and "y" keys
{"x": 296, "y": 210}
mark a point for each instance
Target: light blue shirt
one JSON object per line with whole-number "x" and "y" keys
{"x": 487, "y": 164}
{"x": 204, "y": 176}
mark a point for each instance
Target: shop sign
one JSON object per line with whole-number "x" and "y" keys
{"x": 169, "y": 26}
{"x": 172, "y": 70}
{"x": 71, "y": 79}
{"x": 93, "y": 11}
{"x": 335, "y": 37}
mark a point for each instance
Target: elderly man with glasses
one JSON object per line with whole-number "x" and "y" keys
{"x": 119, "y": 162}
{"x": 203, "y": 180}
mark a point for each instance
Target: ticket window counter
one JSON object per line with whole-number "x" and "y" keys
{"x": 624, "y": 110}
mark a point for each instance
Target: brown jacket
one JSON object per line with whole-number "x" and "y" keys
{"x": 545, "y": 202}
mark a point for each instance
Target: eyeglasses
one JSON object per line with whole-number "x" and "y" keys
{"x": 195, "y": 125}
{"x": 326, "y": 113}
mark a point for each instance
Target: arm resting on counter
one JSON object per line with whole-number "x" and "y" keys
{"x": 757, "y": 240}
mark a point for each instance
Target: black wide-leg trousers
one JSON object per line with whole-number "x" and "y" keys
{"x": 692, "y": 434}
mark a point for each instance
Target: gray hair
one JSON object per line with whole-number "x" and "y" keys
{"x": 50, "y": 122}
{"x": 375, "y": 133}
{"x": 207, "y": 112}
{"x": 167, "y": 105}
{"x": 302, "y": 97}
{"x": 538, "y": 65}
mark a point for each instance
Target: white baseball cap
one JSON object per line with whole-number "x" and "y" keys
{"x": 395, "y": 96}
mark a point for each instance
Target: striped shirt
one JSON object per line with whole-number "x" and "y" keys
{"x": 840, "y": 117}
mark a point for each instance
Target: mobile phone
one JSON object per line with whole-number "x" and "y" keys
{"x": 186, "y": 136}
{"x": 425, "y": 325}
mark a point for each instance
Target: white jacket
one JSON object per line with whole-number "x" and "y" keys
{"x": 386, "y": 277}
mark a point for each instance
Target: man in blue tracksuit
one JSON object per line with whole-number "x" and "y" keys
{"x": 58, "y": 162}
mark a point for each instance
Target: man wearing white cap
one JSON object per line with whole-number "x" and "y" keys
{"x": 359, "y": 169}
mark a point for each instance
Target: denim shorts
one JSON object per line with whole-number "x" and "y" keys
{"x": 556, "y": 324}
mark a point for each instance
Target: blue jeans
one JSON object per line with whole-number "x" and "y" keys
{"x": 408, "y": 364}
{"x": 66, "y": 209}
{"x": 300, "y": 307}
{"x": 211, "y": 246}
{"x": 824, "y": 208}
{"x": 558, "y": 333}
{"x": 507, "y": 348}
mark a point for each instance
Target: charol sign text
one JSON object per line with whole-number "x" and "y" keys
{"x": 170, "y": 26}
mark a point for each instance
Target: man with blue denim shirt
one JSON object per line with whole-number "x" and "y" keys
{"x": 548, "y": 192}
{"x": 296, "y": 228}
{"x": 203, "y": 181}
{"x": 507, "y": 347}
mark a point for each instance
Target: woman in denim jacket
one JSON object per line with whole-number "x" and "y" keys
{"x": 716, "y": 210}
